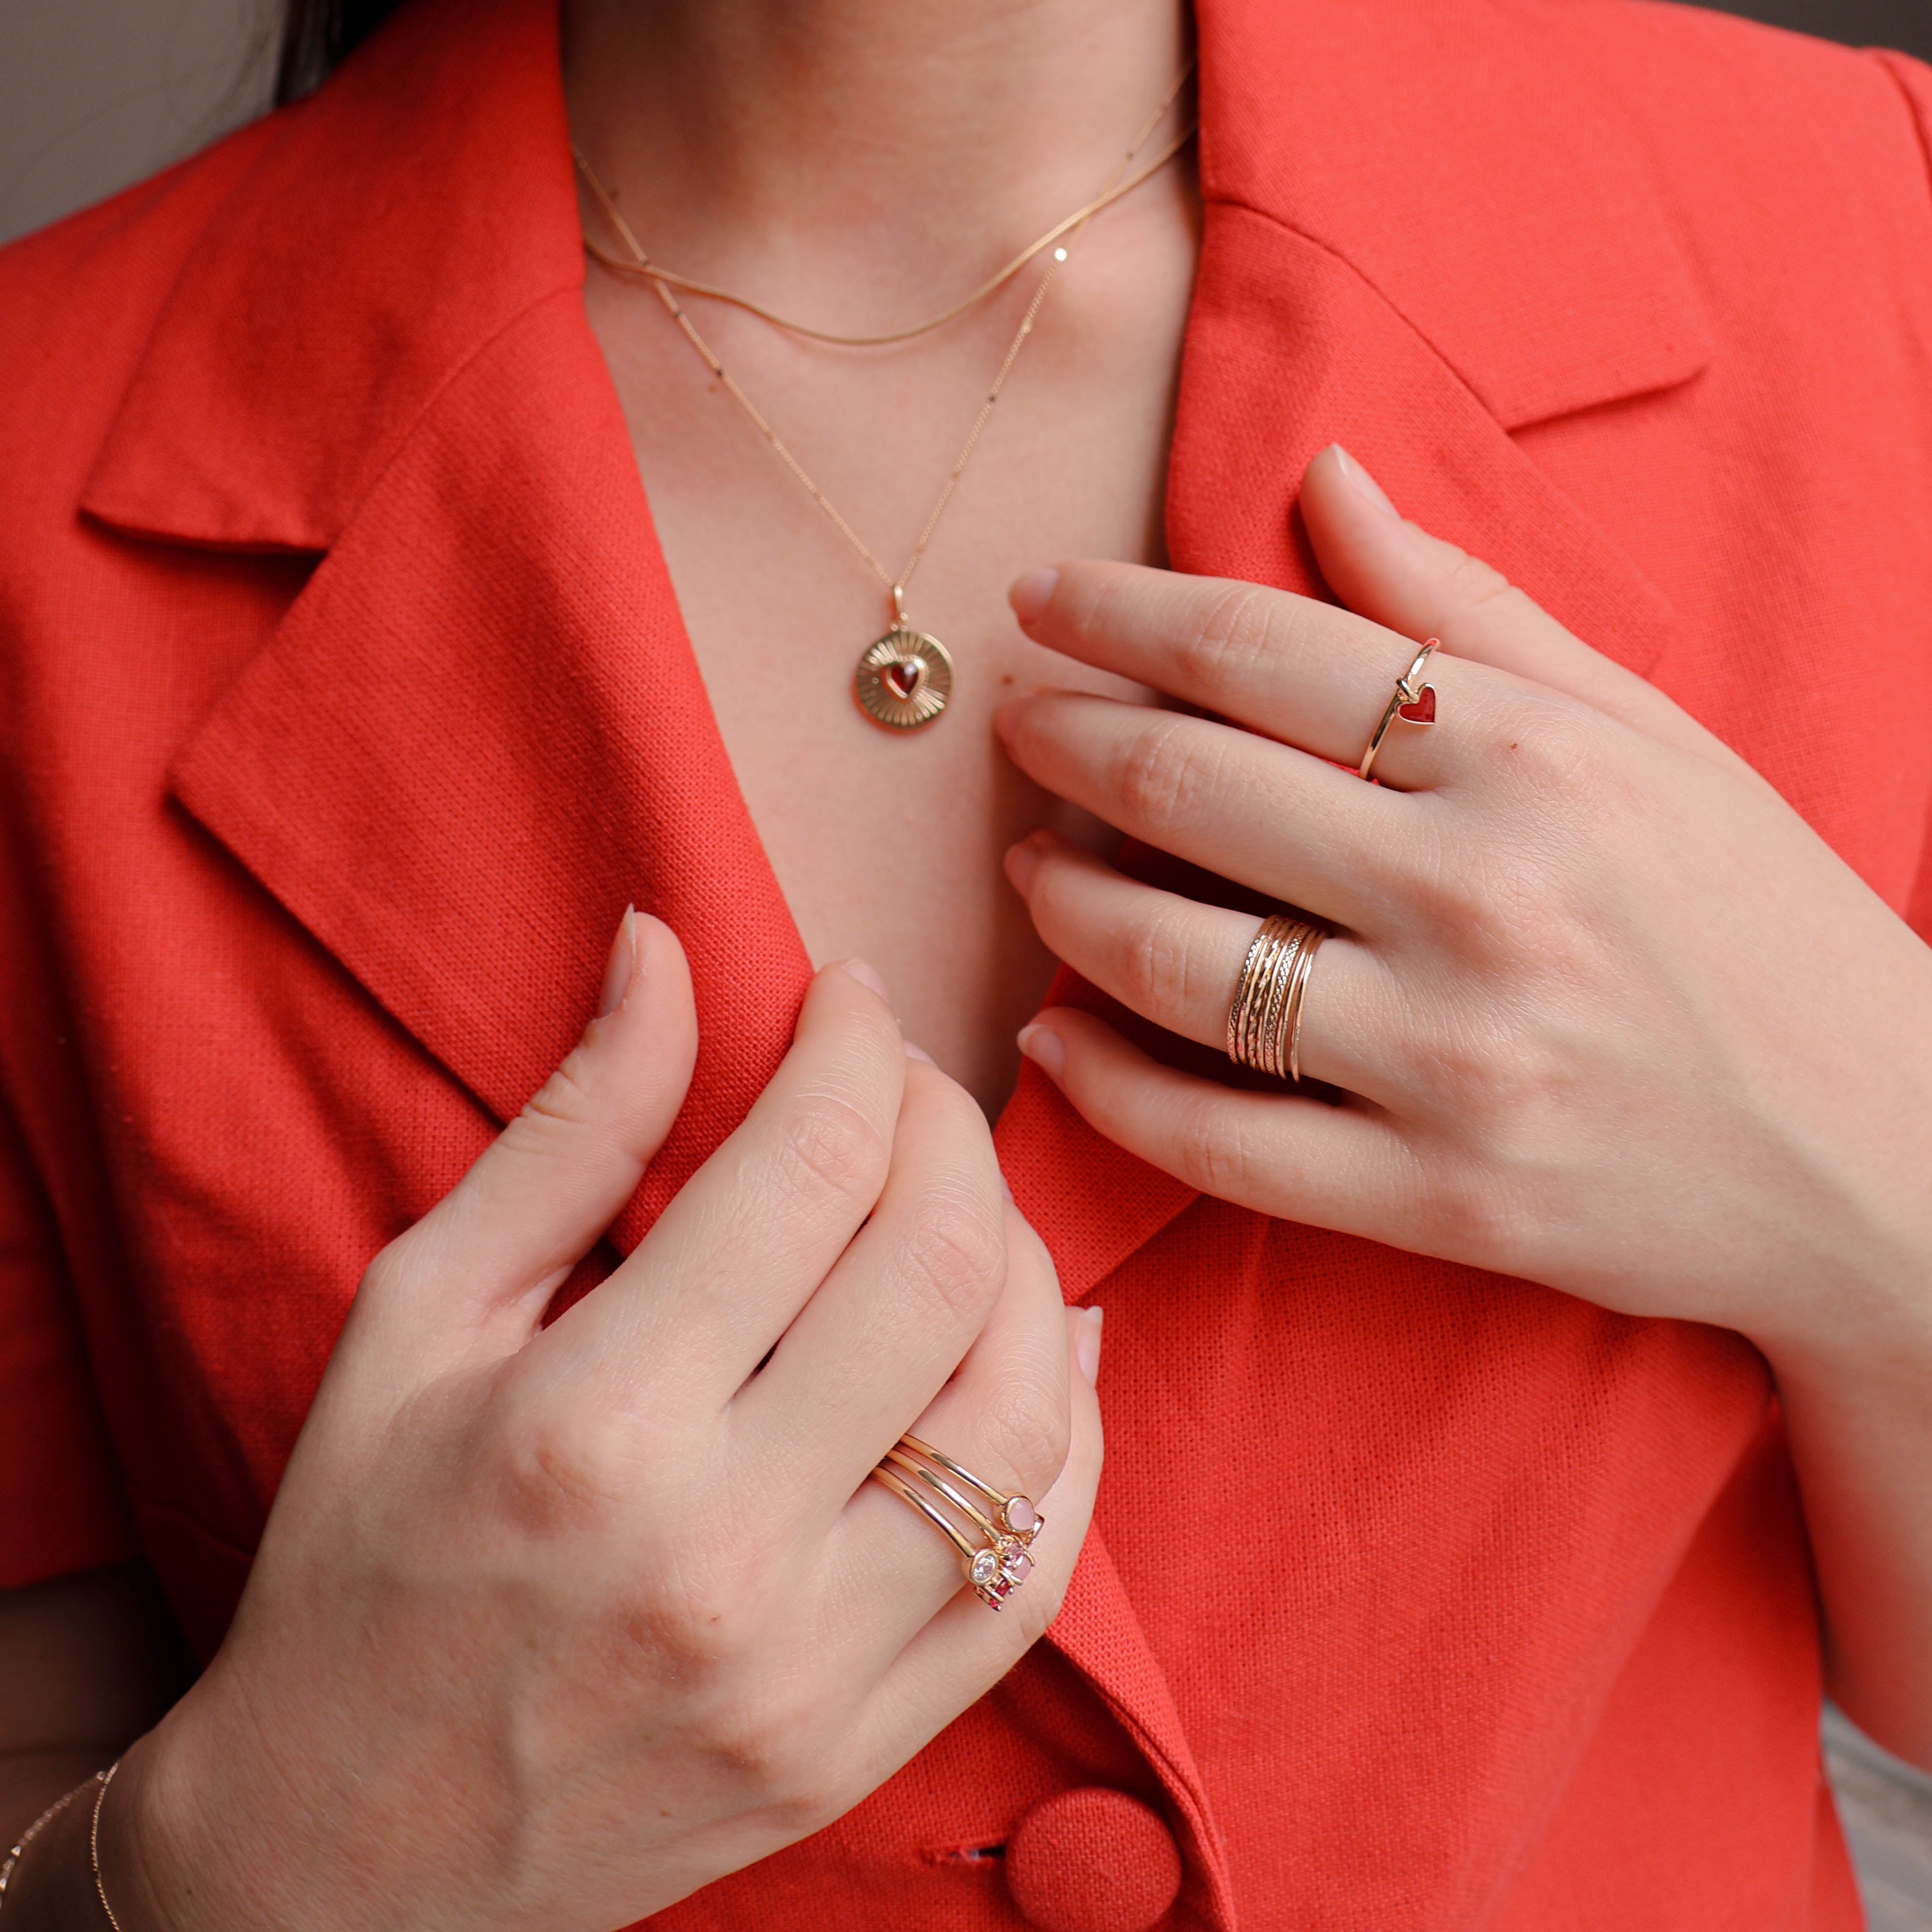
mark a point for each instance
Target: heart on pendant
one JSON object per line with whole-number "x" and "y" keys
{"x": 1421, "y": 710}
{"x": 904, "y": 680}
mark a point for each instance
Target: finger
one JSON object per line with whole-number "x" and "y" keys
{"x": 954, "y": 1656}
{"x": 477, "y": 1272}
{"x": 1288, "y": 1156}
{"x": 1011, "y": 1417}
{"x": 745, "y": 1242}
{"x": 1005, "y": 1416}
{"x": 1294, "y": 668}
{"x": 1399, "y": 574}
{"x": 1178, "y": 963}
{"x": 878, "y": 1340}
{"x": 1264, "y": 814}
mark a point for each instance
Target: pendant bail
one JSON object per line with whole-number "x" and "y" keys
{"x": 898, "y": 606}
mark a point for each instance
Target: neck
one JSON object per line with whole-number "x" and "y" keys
{"x": 859, "y": 156}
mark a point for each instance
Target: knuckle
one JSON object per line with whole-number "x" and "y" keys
{"x": 1234, "y": 630}
{"x": 568, "y": 1097}
{"x": 388, "y": 1274}
{"x": 1031, "y": 1427}
{"x": 1213, "y": 1147}
{"x": 1477, "y": 583}
{"x": 1479, "y": 1220}
{"x": 1165, "y": 771}
{"x": 956, "y": 1251}
{"x": 1551, "y": 744}
{"x": 771, "y": 1743}
{"x": 1155, "y": 963}
{"x": 563, "y": 1472}
{"x": 826, "y": 1144}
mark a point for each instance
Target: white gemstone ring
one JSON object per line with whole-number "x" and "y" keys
{"x": 995, "y": 1566}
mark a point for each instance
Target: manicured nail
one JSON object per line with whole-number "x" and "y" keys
{"x": 1022, "y": 861}
{"x": 920, "y": 1053}
{"x": 1031, "y": 594}
{"x": 1086, "y": 1344}
{"x": 617, "y": 971}
{"x": 1365, "y": 484}
{"x": 866, "y": 975}
{"x": 1045, "y": 1049}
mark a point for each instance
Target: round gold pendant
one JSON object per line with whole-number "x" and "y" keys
{"x": 904, "y": 680}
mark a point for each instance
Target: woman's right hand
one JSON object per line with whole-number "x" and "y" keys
{"x": 551, "y": 1626}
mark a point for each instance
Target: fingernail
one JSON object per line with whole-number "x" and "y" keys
{"x": 1031, "y": 594}
{"x": 617, "y": 971}
{"x": 1365, "y": 484}
{"x": 866, "y": 975}
{"x": 1086, "y": 1344}
{"x": 1022, "y": 861}
{"x": 1045, "y": 1049}
{"x": 920, "y": 1053}
{"x": 1004, "y": 1189}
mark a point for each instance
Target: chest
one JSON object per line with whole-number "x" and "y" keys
{"x": 887, "y": 844}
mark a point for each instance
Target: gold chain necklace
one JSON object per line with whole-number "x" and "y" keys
{"x": 641, "y": 265}
{"x": 904, "y": 680}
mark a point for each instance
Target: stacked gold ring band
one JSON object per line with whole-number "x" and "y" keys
{"x": 992, "y": 1531}
{"x": 1264, "y": 1020}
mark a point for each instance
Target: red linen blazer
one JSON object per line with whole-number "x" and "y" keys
{"x": 347, "y": 702}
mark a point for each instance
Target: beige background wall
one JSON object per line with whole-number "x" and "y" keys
{"x": 94, "y": 94}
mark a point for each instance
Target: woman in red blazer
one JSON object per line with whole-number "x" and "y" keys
{"x": 1509, "y": 1430}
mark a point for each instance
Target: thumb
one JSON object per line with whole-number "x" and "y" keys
{"x": 474, "y": 1276}
{"x": 1399, "y": 574}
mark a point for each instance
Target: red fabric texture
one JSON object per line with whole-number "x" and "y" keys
{"x": 323, "y": 554}
{"x": 1093, "y": 1860}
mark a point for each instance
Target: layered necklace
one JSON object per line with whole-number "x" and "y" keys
{"x": 904, "y": 679}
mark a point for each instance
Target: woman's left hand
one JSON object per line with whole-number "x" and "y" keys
{"x": 1604, "y": 1012}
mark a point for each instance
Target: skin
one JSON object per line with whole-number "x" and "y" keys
{"x": 1563, "y": 849}
{"x": 747, "y": 145}
{"x": 551, "y": 1626}
{"x": 746, "y": 140}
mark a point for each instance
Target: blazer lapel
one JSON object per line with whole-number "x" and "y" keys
{"x": 480, "y": 732}
{"x": 1413, "y": 245}
{"x": 1361, "y": 282}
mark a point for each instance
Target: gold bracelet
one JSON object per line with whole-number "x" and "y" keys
{"x": 46, "y": 1819}
{"x": 106, "y": 1778}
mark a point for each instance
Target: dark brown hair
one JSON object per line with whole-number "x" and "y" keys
{"x": 315, "y": 35}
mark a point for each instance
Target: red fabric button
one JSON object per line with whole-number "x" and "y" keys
{"x": 1093, "y": 1860}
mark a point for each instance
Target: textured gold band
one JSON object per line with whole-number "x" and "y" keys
{"x": 1265, "y": 1017}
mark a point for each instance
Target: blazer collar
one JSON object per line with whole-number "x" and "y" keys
{"x": 396, "y": 222}
{"x": 479, "y": 731}
{"x": 408, "y": 212}
{"x": 1462, "y": 160}
{"x": 378, "y": 351}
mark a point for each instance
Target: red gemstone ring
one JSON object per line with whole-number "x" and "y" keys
{"x": 1414, "y": 702}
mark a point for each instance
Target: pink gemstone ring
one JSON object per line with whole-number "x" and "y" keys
{"x": 916, "y": 1472}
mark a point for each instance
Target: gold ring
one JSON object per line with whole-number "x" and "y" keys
{"x": 1265, "y": 1017}
{"x": 996, "y": 1567}
{"x": 1414, "y": 702}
